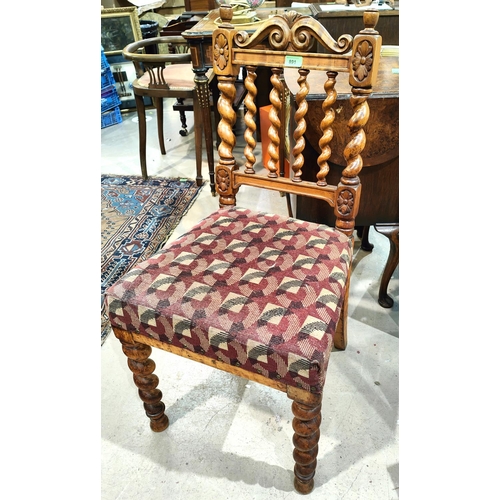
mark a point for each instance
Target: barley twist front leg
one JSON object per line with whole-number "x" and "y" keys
{"x": 306, "y": 422}
{"x": 142, "y": 367}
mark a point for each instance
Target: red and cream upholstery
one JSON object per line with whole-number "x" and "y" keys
{"x": 249, "y": 289}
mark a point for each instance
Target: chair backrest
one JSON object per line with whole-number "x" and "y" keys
{"x": 283, "y": 41}
{"x": 153, "y": 64}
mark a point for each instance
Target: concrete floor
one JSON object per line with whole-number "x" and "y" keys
{"x": 231, "y": 438}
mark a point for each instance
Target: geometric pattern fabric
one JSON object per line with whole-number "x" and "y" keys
{"x": 259, "y": 291}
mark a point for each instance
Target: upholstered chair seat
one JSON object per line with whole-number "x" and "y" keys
{"x": 256, "y": 291}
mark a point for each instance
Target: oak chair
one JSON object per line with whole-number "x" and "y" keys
{"x": 167, "y": 75}
{"x": 255, "y": 294}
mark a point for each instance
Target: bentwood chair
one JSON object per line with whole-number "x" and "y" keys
{"x": 254, "y": 294}
{"x": 165, "y": 75}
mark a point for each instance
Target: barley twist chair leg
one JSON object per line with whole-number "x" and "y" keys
{"x": 306, "y": 422}
{"x": 142, "y": 367}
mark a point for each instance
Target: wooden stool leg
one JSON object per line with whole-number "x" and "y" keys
{"x": 306, "y": 422}
{"x": 159, "y": 121}
{"x": 142, "y": 367}
{"x": 390, "y": 231}
{"x": 141, "y": 118}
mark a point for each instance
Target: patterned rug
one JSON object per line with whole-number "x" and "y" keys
{"x": 137, "y": 217}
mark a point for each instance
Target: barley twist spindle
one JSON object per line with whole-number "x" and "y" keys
{"x": 250, "y": 119}
{"x": 300, "y": 129}
{"x": 326, "y": 127}
{"x": 228, "y": 118}
{"x": 274, "y": 118}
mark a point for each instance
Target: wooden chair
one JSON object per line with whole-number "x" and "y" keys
{"x": 167, "y": 75}
{"x": 176, "y": 28}
{"x": 254, "y": 294}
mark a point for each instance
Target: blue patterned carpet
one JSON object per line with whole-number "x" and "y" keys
{"x": 137, "y": 217}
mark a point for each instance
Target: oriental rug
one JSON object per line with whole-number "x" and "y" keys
{"x": 137, "y": 217}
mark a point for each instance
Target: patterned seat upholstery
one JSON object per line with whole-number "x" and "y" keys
{"x": 253, "y": 290}
{"x": 254, "y": 294}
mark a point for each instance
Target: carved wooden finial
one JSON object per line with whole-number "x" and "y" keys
{"x": 370, "y": 20}
{"x": 225, "y": 13}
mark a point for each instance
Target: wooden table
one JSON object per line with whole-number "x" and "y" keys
{"x": 351, "y": 21}
{"x": 380, "y": 175}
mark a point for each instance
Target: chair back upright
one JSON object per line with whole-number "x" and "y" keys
{"x": 290, "y": 40}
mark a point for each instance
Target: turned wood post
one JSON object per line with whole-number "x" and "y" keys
{"x": 362, "y": 73}
{"x": 146, "y": 381}
{"x": 226, "y": 76}
{"x": 306, "y": 408}
{"x": 251, "y": 111}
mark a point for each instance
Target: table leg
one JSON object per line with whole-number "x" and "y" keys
{"x": 391, "y": 231}
{"x": 203, "y": 93}
{"x": 363, "y": 233}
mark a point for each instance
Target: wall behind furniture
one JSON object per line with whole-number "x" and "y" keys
{"x": 168, "y": 7}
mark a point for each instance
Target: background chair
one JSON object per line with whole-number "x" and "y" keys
{"x": 255, "y": 294}
{"x": 176, "y": 27}
{"x": 165, "y": 75}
